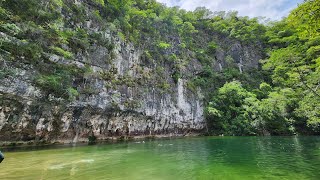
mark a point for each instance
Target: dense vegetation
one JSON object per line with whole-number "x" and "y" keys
{"x": 289, "y": 103}
{"x": 280, "y": 98}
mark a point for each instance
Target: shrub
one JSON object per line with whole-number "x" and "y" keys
{"x": 163, "y": 45}
{"x": 73, "y": 93}
{"x": 10, "y": 28}
{"x": 212, "y": 47}
{"x": 59, "y": 51}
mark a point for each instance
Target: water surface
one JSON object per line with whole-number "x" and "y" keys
{"x": 189, "y": 158}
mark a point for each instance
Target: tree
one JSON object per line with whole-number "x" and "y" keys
{"x": 230, "y": 112}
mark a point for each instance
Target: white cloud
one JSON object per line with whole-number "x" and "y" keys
{"x": 275, "y": 9}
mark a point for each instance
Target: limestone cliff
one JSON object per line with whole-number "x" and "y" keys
{"x": 28, "y": 113}
{"x": 121, "y": 92}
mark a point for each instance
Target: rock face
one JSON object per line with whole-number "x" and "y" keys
{"x": 27, "y": 113}
{"x": 121, "y": 95}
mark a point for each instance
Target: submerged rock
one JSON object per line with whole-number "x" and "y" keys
{"x": 1, "y": 157}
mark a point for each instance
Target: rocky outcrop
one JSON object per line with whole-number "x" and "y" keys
{"x": 28, "y": 113}
{"x": 121, "y": 94}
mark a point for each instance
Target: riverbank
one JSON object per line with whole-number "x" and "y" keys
{"x": 88, "y": 141}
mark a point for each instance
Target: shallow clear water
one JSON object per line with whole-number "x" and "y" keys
{"x": 190, "y": 158}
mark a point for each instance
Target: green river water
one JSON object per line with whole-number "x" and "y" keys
{"x": 188, "y": 158}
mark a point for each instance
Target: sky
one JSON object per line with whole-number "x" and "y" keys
{"x": 273, "y": 9}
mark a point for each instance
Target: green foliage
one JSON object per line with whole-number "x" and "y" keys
{"x": 58, "y": 81}
{"x": 10, "y": 28}
{"x": 52, "y": 83}
{"x": 121, "y": 36}
{"x": 58, "y": 2}
{"x": 313, "y": 52}
{"x": 305, "y": 19}
{"x": 242, "y": 28}
{"x": 176, "y": 76}
{"x": 263, "y": 91}
{"x": 293, "y": 63}
{"x": 212, "y": 47}
{"x": 228, "y": 112}
{"x": 265, "y": 87}
{"x": 72, "y": 93}
{"x": 59, "y": 51}
{"x": 101, "y": 2}
{"x": 191, "y": 86}
{"x": 96, "y": 13}
{"x": 309, "y": 108}
{"x": 236, "y": 111}
{"x": 288, "y": 105}
{"x": 30, "y": 52}
{"x": 163, "y": 45}
{"x": 164, "y": 86}
{"x": 203, "y": 57}
{"x": 275, "y": 112}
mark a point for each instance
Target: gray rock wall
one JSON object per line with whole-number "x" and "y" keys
{"x": 27, "y": 113}
{"x": 123, "y": 95}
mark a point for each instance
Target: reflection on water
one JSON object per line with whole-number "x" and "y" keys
{"x": 190, "y": 158}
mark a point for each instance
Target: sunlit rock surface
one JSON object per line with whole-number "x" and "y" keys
{"x": 122, "y": 96}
